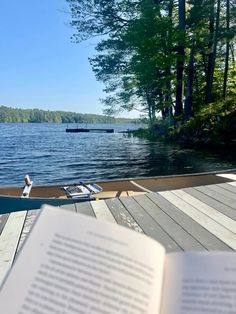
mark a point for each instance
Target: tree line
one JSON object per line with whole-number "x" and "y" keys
{"x": 8, "y": 114}
{"x": 167, "y": 56}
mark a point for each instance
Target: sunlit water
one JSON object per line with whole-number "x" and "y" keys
{"x": 50, "y": 155}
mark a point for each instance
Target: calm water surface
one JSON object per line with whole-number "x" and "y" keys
{"x": 50, "y": 155}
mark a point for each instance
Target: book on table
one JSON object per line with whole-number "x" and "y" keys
{"x": 72, "y": 263}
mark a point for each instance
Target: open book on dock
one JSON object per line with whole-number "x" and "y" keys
{"x": 72, "y": 263}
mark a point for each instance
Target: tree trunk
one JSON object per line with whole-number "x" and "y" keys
{"x": 151, "y": 107}
{"x": 227, "y": 50}
{"x": 168, "y": 95}
{"x": 180, "y": 61}
{"x": 188, "y": 106}
{"x": 212, "y": 55}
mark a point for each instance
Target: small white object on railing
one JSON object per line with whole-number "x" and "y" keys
{"x": 27, "y": 188}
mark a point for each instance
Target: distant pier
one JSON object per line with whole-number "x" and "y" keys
{"x": 88, "y": 130}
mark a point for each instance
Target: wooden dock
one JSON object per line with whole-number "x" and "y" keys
{"x": 201, "y": 218}
{"x": 89, "y": 130}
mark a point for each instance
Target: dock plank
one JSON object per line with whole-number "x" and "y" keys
{"x": 29, "y": 221}
{"x": 85, "y": 208}
{"x": 175, "y": 231}
{"x": 224, "y": 209}
{"x": 217, "y": 196}
{"x": 214, "y": 214}
{"x": 228, "y": 187}
{"x": 230, "y": 176}
{"x": 214, "y": 227}
{"x": 121, "y": 215}
{"x": 202, "y": 235}
{"x": 69, "y": 207}
{"x": 102, "y": 211}
{"x": 9, "y": 240}
{"x": 149, "y": 225}
{"x": 3, "y": 220}
{"x": 218, "y": 189}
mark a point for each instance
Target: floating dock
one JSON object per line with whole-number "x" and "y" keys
{"x": 86, "y": 130}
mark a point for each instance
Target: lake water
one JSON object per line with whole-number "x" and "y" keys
{"x": 50, "y": 155}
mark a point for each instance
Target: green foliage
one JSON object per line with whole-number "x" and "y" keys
{"x": 212, "y": 125}
{"x": 149, "y": 50}
{"x": 8, "y": 114}
{"x": 100, "y": 17}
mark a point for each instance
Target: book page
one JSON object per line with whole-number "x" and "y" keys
{"x": 76, "y": 264}
{"x": 200, "y": 283}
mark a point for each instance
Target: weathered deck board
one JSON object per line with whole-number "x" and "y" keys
{"x": 30, "y": 218}
{"x": 218, "y": 189}
{"x": 149, "y": 225}
{"x": 224, "y": 209}
{"x": 102, "y": 211}
{"x": 202, "y": 235}
{"x": 121, "y": 214}
{"x": 85, "y": 208}
{"x": 174, "y": 230}
{"x": 214, "y": 227}
{"x": 217, "y": 196}
{"x": 70, "y": 207}
{"x": 228, "y": 187}
{"x": 3, "y": 220}
{"x": 9, "y": 240}
{"x": 230, "y": 176}
{"x": 214, "y": 214}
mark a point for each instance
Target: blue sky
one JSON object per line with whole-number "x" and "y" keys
{"x": 39, "y": 65}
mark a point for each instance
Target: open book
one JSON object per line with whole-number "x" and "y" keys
{"x": 71, "y": 264}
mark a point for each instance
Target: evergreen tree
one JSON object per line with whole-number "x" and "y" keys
{"x": 160, "y": 56}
